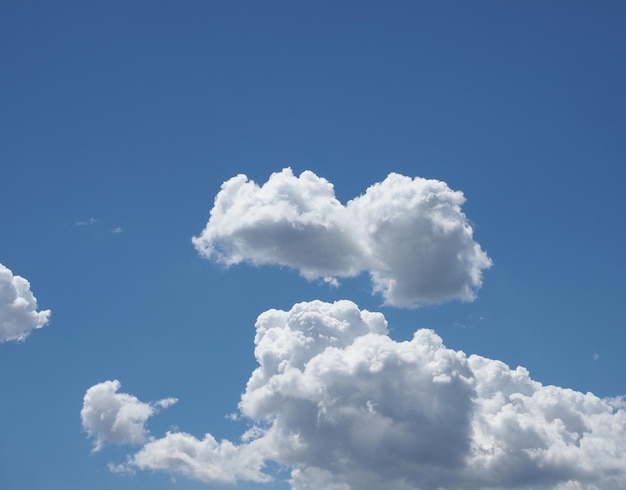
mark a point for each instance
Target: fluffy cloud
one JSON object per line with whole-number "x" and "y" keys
{"x": 346, "y": 407}
{"x": 205, "y": 460}
{"x": 18, "y": 307}
{"x": 409, "y": 234}
{"x": 119, "y": 418}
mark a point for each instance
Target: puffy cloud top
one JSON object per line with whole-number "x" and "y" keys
{"x": 346, "y": 407}
{"x": 18, "y": 307}
{"x": 409, "y": 234}
{"x": 119, "y": 418}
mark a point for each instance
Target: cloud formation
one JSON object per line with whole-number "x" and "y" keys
{"x": 118, "y": 418}
{"x": 90, "y": 221}
{"x": 204, "y": 459}
{"x": 344, "y": 406}
{"x": 410, "y": 235}
{"x": 18, "y": 307}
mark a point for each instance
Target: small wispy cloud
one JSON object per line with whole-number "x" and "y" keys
{"x": 117, "y": 230}
{"x": 90, "y": 221}
{"x": 333, "y": 282}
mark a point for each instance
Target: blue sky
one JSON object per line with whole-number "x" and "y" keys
{"x": 122, "y": 120}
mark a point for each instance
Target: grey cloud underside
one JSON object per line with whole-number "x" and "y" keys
{"x": 344, "y": 406}
{"x": 18, "y": 308}
{"x": 410, "y": 235}
{"x": 314, "y": 249}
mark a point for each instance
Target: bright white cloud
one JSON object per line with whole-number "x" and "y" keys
{"x": 119, "y": 418}
{"x": 18, "y": 307}
{"x": 409, "y": 234}
{"x": 346, "y": 407}
{"x": 205, "y": 460}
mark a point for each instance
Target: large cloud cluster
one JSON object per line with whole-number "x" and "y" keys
{"x": 18, "y": 307}
{"x": 346, "y": 407}
{"x": 409, "y": 234}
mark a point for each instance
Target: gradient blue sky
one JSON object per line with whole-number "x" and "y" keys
{"x": 128, "y": 116}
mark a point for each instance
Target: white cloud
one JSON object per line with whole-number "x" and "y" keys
{"x": 119, "y": 418}
{"x": 90, "y": 221}
{"x": 409, "y": 234}
{"x": 18, "y": 307}
{"x": 346, "y": 407}
{"x": 205, "y": 460}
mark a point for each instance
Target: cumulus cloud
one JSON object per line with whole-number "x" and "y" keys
{"x": 18, "y": 307}
{"x": 119, "y": 418}
{"x": 344, "y": 406}
{"x": 410, "y": 235}
{"x": 205, "y": 460}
